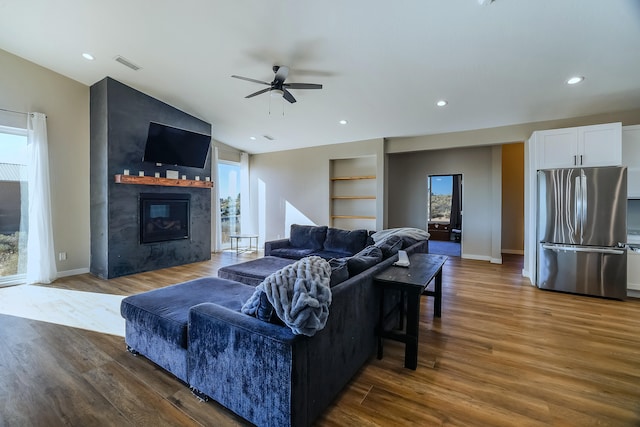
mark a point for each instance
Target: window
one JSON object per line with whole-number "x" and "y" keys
{"x": 440, "y": 193}
{"x": 229, "y": 188}
{"x": 13, "y": 204}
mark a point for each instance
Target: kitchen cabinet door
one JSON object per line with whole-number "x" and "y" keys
{"x": 600, "y": 145}
{"x": 557, "y": 148}
{"x": 631, "y": 159}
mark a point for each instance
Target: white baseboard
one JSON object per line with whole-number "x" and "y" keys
{"x": 633, "y": 286}
{"x": 476, "y": 257}
{"x": 496, "y": 260}
{"x": 513, "y": 251}
{"x": 75, "y": 272}
{"x": 632, "y": 293}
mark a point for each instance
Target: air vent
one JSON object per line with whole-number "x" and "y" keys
{"x": 270, "y": 138}
{"x": 124, "y": 61}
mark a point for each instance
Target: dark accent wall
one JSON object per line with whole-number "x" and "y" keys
{"x": 120, "y": 117}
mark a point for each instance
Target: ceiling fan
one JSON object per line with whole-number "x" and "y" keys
{"x": 278, "y": 86}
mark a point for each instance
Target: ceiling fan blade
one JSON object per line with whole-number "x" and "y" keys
{"x": 282, "y": 73}
{"x": 287, "y": 95}
{"x": 258, "y": 92}
{"x": 302, "y": 86}
{"x": 251, "y": 80}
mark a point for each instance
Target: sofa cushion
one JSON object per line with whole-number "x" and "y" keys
{"x": 390, "y": 246}
{"x": 339, "y": 271}
{"x": 348, "y": 242}
{"x": 328, "y": 255}
{"x": 307, "y": 236}
{"x": 363, "y": 260}
{"x": 165, "y": 311}
{"x": 253, "y": 272}
{"x": 292, "y": 253}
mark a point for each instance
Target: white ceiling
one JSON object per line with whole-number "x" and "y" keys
{"x": 383, "y": 64}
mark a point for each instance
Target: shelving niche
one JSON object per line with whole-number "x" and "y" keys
{"x": 353, "y": 193}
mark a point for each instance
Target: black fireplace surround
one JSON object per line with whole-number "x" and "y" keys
{"x": 164, "y": 217}
{"x": 120, "y": 117}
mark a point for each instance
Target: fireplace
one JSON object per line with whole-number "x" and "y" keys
{"x": 164, "y": 217}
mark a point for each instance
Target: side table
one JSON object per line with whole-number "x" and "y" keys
{"x": 412, "y": 282}
{"x": 238, "y": 237}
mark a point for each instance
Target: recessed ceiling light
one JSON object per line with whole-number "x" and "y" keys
{"x": 441, "y": 103}
{"x": 88, "y": 56}
{"x": 575, "y": 80}
{"x": 253, "y": 138}
{"x": 343, "y": 122}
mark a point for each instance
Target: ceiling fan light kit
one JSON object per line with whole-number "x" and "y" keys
{"x": 278, "y": 87}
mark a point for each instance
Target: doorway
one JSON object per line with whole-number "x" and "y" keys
{"x": 13, "y": 205}
{"x": 444, "y": 214}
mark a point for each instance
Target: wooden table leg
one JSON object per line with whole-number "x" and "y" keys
{"x": 380, "y": 323}
{"x": 437, "y": 301}
{"x": 413, "y": 318}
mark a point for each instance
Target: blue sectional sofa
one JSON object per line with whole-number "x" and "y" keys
{"x": 260, "y": 370}
{"x": 323, "y": 241}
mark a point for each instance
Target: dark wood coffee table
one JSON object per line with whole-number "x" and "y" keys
{"x": 412, "y": 282}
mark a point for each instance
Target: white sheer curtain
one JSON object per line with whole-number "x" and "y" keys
{"x": 245, "y": 223}
{"x": 41, "y": 265}
{"x": 217, "y": 240}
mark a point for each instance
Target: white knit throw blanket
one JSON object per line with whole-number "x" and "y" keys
{"x": 300, "y": 295}
{"x": 414, "y": 233}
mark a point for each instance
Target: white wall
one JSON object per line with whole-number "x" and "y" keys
{"x": 293, "y": 186}
{"x": 407, "y": 195}
{"x": 25, "y": 86}
{"x": 504, "y": 134}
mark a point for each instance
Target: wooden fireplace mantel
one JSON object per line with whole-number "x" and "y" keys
{"x": 167, "y": 182}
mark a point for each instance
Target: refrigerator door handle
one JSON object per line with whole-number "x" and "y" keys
{"x": 583, "y": 213}
{"x": 577, "y": 216}
{"x": 583, "y": 249}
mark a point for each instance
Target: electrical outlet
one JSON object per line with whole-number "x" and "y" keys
{"x": 62, "y": 256}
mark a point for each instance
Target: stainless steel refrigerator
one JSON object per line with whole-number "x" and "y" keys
{"x": 582, "y": 230}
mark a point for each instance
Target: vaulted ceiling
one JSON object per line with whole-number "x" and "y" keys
{"x": 383, "y": 65}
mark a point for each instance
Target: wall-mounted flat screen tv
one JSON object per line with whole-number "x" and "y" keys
{"x": 174, "y": 146}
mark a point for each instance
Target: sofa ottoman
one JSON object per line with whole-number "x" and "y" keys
{"x": 156, "y": 321}
{"x": 254, "y": 272}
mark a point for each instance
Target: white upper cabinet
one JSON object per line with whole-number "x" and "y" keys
{"x": 598, "y": 145}
{"x": 631, "y": 159}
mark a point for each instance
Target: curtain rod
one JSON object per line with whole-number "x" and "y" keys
{"x": 12, "y": 111}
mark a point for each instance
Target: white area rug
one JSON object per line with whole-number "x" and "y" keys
{"x": 85, "y": 310}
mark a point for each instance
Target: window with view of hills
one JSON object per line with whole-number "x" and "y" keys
{"x": 440, "y": 193}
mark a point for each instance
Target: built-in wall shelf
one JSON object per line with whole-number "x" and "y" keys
{"x": 349, "y": 178}
{"x": 352, "y": 217}
{"x": 166, "y": 182}
{"x": 353, "y": 189}
{"x": 353, "y": 197}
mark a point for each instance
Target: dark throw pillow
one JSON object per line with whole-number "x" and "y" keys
{"x": 390, "y": 246}
{"x": 363, "y": 260}
{"x": 339, "y": 271}
{"x": 307, "y": 236}
{"x": 371, "y": 250}
{"x": 265, "y": 311}
{"x": 348, "y": 241}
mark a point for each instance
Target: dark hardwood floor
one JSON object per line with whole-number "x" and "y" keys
{"x": 503, "y": 353}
